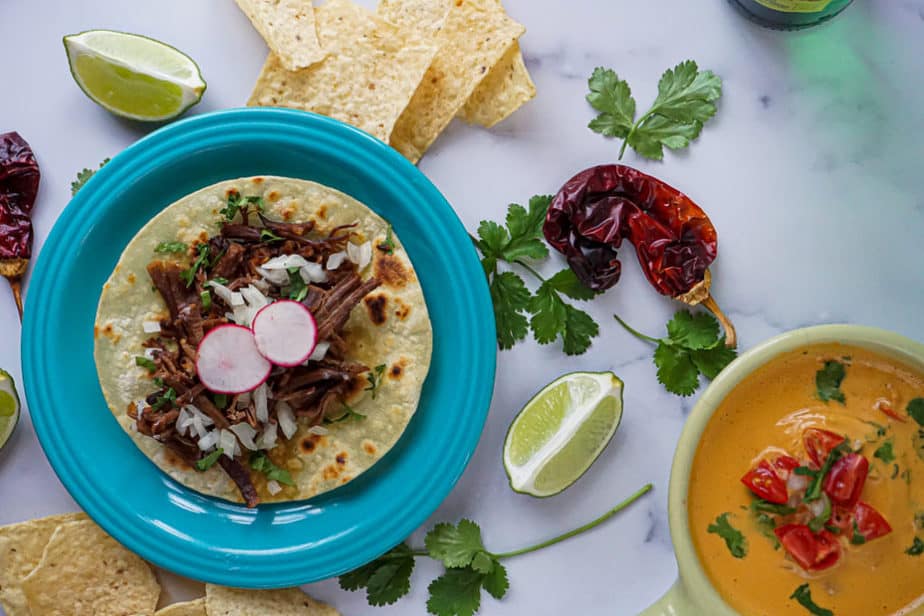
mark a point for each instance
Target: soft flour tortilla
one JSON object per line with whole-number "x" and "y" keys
{"x": 390, "y": 326}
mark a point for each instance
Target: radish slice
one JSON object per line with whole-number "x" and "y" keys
{"x": 228, "y": 361}
{"x": 285, "y": 333}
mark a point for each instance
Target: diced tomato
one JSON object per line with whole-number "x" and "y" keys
{"x": 784, "y": 466}
{"x": 819, "y": 443}
{"x": 765, "y": 483}
{"x": 886, "y": 407}
{"x": 811, "y": 551}
{"x": 842, "y": 519}
{"x": 870, "y": 522}
{"x": 844, "y": 482}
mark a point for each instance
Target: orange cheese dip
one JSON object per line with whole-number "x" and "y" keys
{"x": 765, "y": 416}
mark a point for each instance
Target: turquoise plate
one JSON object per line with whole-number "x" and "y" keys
{"x": 201, "y": 537}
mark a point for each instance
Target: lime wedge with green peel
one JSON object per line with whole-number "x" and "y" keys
{"x": 561, "y": 431}
{"x": 134, "y": 76}
{"x": 9, "y": 407}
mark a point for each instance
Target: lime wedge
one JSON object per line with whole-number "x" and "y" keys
{"x": 134, "y": 76}
{"x": 9, "y": 407}
{"x": 561, "y": 431}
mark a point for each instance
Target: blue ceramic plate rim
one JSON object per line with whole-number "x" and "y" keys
{"x": 157, "y": 533}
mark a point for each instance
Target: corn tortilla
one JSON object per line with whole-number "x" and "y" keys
{"x": 473, "y": 38}
{"x": 506, "y": 88}
{"x": 367, "y": 79}
{"x": 288, "y": 27}
{"x": 195, "y": 607}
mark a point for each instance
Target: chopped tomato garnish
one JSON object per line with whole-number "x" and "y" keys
{"x": 886, "y": 407}
{"x": 811, "y": 551}
{"x": 819, "y": 443}
{"x": 765, "y": 483}
{"x": 842, "y": 519}
{"x": 870, "y": 522}
{"x": 784, "y": 465}
{"x": 844, "y": 482}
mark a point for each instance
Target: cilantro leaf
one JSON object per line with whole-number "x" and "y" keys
{"x": 686, "y": 100}
{"x": 549, "y": 315}
{"x": 885, "y": 453}
{"x": 146, "y": 363}
{"x": 171, "y": 247}
{"x": 261, "y": 463}
{"x": 455, "y": 546}
{"x": 567, "y": 282}
{"x": 495, "y": 581}
{"x": 268, "y": 236}
{"x": 693, "y": 331}
{"x": 511, "y": 298}
{"x": 298, "y": 289}
{"x": 917, "y": 548}
{"x": 83, "y": 176}
{"x": 580, "y": 328}
{"x": 711, "y": 362}
{"x": 204, "y": 464}
{"x": 455, "y": 593}
{"x": 349, "y": 414}
{"x": 374, "y": 377}
{"x": 388, "y": 244}
{"x": 189, "y": 275}
{"x": 525, "y": 229}
{"x": 386, "y": 579}
{"x": 803, "y": 595}
{"x": 828, "y": 381}
{"x": 916, "y": 410}
{"x": 734, "y": 540}
{"x": 612, "y": 97}
{"x": 484, "y": 563}
{"x": 232, "y": 206}
{"x": 676, "y": 370}
{"x": 552, "y": 317}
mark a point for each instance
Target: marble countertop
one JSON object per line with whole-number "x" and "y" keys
{"x": 811, "y": 172}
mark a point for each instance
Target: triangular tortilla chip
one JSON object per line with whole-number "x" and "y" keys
{"x": 222, "y": 601}
{"x": 187, "y": 608}
{"x": 288, "y": 27}
{"x": 506, "y": 88}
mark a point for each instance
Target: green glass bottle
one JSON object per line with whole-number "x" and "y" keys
{"x": 790, "y": 14}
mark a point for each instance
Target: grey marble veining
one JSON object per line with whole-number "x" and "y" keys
{"x": 811, "y": 171}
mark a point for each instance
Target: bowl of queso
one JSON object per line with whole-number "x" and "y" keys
{"x": 797, "y": 487}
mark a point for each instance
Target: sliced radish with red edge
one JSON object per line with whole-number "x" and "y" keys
{"x": 228, "y": 361}
{"x": 285, "y": 333}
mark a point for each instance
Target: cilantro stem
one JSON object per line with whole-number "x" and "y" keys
{"x": 529, "y": 269}
{"x": 635, "y": 332}
{"x": 577, "y": 531}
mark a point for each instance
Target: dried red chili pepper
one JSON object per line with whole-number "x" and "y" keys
{"x": 673, "y": 238}
{"x": 19, "y": 180}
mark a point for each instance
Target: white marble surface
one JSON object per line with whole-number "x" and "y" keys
{"x": 811, "y": 171}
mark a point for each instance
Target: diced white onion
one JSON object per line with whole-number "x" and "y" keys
{"x": 183, "y": 421}
{"x": 245, "y": 434}
{"x": 262, "y": 286}
{"x": 260, "y": 403}
{"x": 209, "y": 440}
{"x": 198, "y": 426}
{"x": 232, "y": 298}
{"x": 254, "y": 300}
{"x": 796, "y": 483}
{"x": 228, "y": 442}
{"x": 273, "y": 487}
{"x": 286, "y": 419}
{"x": 276, "y": 277}
{"x": 284, "y": 262}
{"x": 149, "y": 353}
{"x": 243, "y": 400}
{"x": 361, "y": 255}
{"x": 320, "y": 350}
{"x": 267, "y": 438}
{"x": 336, "y": 260}
{"x": 150, "y": 327}
{"x": 319, "y": 430}
{"x": 313, "y": 272}
{"x": 817, "y": 507}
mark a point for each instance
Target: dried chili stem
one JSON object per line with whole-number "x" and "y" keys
{"x": 731, "y": 338}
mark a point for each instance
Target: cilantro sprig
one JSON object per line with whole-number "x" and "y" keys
{"x": 686, "y": 100}
{"x": 917, "y": 548}
{"x": 735, "y": 541}
{"x": 349, "y": 414}
{"x": 692, "y": 347}
{"x": 374, "y": 377}
{"x": 202, "y": 261}
{"x": 828, "y": 381}
{"x": 171, "y": 248}
{"x": 803, "y": 595}
{"x": 261, "y": 463}
{"x": 469, "y": 566}
{"x": 204, "y": 464}
{"x": 517, "y": 310}
{"x": 83, "y": 176}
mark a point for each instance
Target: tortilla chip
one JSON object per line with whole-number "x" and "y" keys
{"x": 85, "y": 572}
{"x": 474, "y": 37}
{"x": 187, "y": 608}
{"x": 367, "y": 79}
{"x": 506, "y": 88}
{"x": 222, "y": 601}
{"x": 288, "y": 27}
{"x": 21, "y": 548}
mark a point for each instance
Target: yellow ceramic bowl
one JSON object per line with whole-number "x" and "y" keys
{"x": 693, "y": 594}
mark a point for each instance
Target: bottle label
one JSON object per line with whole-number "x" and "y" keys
{"x": 795, "y": 6}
